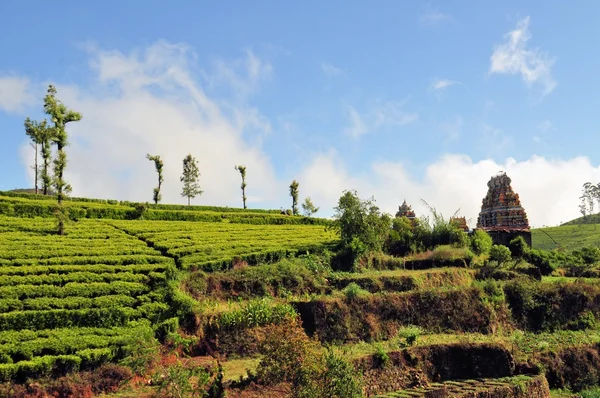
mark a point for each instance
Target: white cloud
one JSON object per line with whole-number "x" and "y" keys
{"x": 432, "y": 17}
{"x": 379, "y": 115}
{"x": 514, "y": 57}
{"x": 331, "y": 70}
{"x": 15, "y": 94}
{"x": 149, "y": 102}
{"x": 440, "y": 84}
{"x": 549, "y": 189}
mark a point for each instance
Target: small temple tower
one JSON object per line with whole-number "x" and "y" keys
{"x": 460, "y": 223}
{"x": 406, "y": 211}
{"x": 502, "y": 215}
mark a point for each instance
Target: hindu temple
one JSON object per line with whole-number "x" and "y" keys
{"x": 502, "y": 215}
{"x": 460, "y": 223}
{"x": 405, "y": 210}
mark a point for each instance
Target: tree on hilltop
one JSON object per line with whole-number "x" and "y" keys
{"x": 189, "y": 178}
{"x": 294, "y": 194}
{"x": 309, "y": 207}
{"x": 242, "y": 170}
{"x": 36, "y": 132}
{"x": 158, "y": 164}
{"x": 60, "y": 116}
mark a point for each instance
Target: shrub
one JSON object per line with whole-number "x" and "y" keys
{"x": 354, "y": 291}
{"x": 361, "y": 221}
{"x": 143, "y": 353}
{"x": 178, "y": 381}
{"x": 589, "y": 255}
{"x": 542, "y": 260}
{"x": 335, "y": 377}
{"x": 287, "y": 352}
{"x": 481, "y": 242}
{"x": 518, "y": 248}
{"x": 500, "y": 254}
{"x": 409, "y": 334}
{"x": 381, "y": 357}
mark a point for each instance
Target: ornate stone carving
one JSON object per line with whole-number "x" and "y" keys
{"x": 405, "y": 210}
{"x": 501, "y": 208}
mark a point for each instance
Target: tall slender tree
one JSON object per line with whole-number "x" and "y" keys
{"x": 242, "y": 170}
{"x": 309, "y": 207}
{"x": 189, "y": 178}
{"x": 158, "y": 164}
{"x": 294, "y": 194}
{"x": 46, "y": 136}
{"x": 60, "y": 116}
{"x": 36, "y": 131}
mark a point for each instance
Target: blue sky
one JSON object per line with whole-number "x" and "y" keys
{"x": 415, "y": 100}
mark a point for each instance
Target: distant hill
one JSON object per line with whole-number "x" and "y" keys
{"x": 591, "y": 219}
{"x": 30, "y": 191}
{"x": 572, "y": 236}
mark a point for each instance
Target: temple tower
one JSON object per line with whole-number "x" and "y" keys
{"x": 502, "y": 215}
{"x": 405, "y": 210}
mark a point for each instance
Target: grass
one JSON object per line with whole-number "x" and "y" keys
{"x": 569, "y": 237}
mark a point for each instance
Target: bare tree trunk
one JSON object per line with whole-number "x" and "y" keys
{"x": 35, "y": 167}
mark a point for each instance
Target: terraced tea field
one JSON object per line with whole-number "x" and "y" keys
{"x": 213, "y": 246}
{"x": 74, "y": 300}
{"x": 79, "y": 300}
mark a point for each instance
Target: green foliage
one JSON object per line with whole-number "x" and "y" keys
{"x": 242, "y": 170}
{"x": 589, "y": 393}
{"x": 439, "y": 231}
{"x": 402, "y": 240}
{"x": 381, "y": 356}
{"x": 543, "y": 260}
{"x": 309, "y": 207}
{"x": 361, "y": 225}
{"x": 500, "y": 254}
{"x": 289, "y": 355}
{"x": 158, "y": 164}
{"x": 294, "y": 194}
{"x": 189, "y": 178}
{"x": 333, "y": 377}
{"x": 354, "y": 291}
{"x": 179, "y": 381}
{"x": 589, "y": 254}
{"x": 59, "y": 115}
{"x": 481, "y": 242}
{"x": 518, "y": 248}
{"x": 40, "y": 135}
{"x": 143, "y": 353}
{"x": 410, "y": 334}
{"x": 258, "y": 312}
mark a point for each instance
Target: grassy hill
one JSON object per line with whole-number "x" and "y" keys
{"x": 571, "y": 236}
{"x": 590, "y": 219}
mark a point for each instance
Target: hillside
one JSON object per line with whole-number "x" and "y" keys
{"x": 164, "y": 291}
{"x": 590, "y": 219}
{"x": 566, "y": 236}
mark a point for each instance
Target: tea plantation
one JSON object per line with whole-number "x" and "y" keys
{"x": 141, "y": 300}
